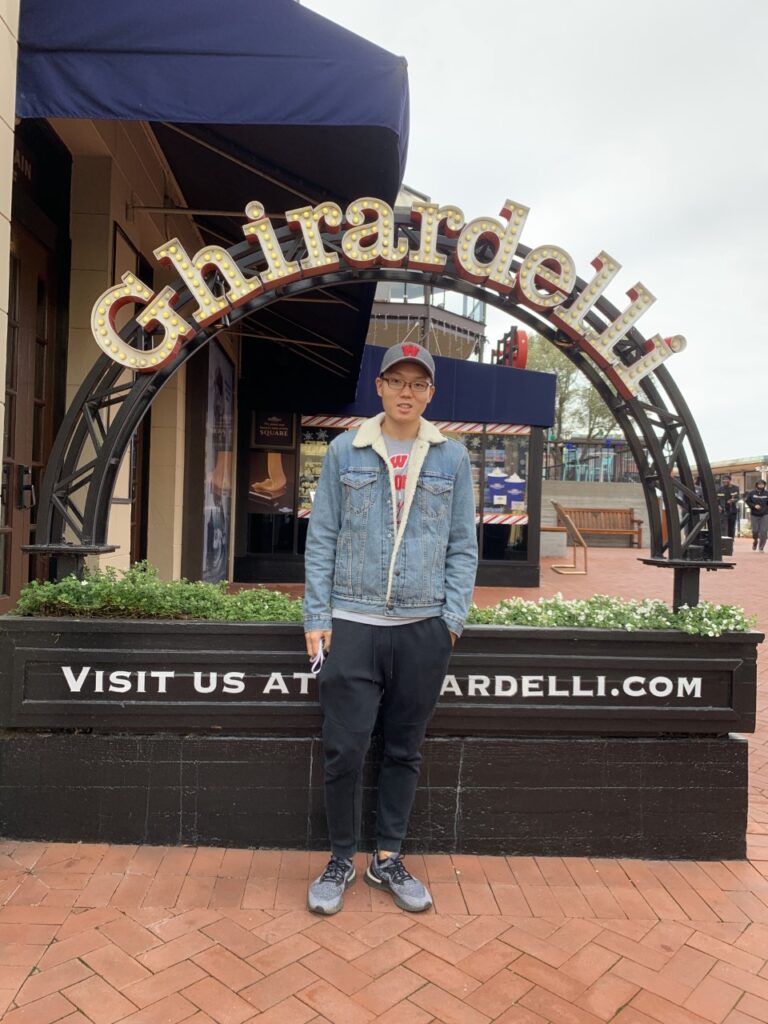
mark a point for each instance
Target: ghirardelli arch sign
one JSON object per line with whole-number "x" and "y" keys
{"x": 482, "y": 253}
{"x": 283, "y": 255}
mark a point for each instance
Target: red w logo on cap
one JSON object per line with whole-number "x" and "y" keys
{"x": 410, "y": 350}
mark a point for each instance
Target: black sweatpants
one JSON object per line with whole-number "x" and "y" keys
{"x": 401, "y": 669}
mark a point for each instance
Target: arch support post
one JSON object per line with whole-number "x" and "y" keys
{"x": 68, "y": 559}
{"x": 686, "y": 577}
{"x": 685, "y": 589}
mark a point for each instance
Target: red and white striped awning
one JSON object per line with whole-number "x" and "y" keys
{"x": 504, "y": 518}
{"x": 447, "y": 426}
{"x": 489, "y": 518}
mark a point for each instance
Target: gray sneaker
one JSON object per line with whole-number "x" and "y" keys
{"x": 391, "y": 874}
{"x": 326, "y": 893}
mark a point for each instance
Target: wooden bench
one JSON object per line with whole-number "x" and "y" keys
{"x": 604, "y": 521}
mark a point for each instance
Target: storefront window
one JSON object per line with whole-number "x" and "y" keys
{"x": 312, "y": 450}
{"x": 272, "y": 494}
{"x": 498, "y": 455}
{"x": 504, "y": 507}
{"x": 283, "y": 484}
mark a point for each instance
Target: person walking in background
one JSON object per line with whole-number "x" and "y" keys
{"x": 757, "y": 503}
{"x": 727, "y": 500}
{"x": 390, "y": 564}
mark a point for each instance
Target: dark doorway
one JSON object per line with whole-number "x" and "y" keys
{"x": 29, "y": 406}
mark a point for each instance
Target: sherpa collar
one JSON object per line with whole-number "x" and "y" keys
{"x": 370, "y": 431}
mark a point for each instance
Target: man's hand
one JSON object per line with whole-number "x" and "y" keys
{"x": 454, "y": 637}
{"x": 313, "y": 639}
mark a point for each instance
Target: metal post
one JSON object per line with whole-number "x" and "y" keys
{"x": 67, "y": 565}
{"x": 686, "y": 588}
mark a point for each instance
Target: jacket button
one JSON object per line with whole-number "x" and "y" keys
{"x": 397, "y": 572}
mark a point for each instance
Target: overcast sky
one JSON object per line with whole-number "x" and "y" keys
{"x": 635, "y": 128}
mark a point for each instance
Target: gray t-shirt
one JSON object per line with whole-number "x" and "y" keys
{"x": 399, "y": 453}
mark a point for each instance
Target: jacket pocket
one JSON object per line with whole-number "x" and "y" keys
{"x": 358, "y": 490}
{"x": 434, "y": 494}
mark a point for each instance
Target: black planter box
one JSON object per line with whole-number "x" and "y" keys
{"x": 546, "y": 741}
{"x": 209, "y": 676}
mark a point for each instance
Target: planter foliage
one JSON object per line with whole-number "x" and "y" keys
{"x": 139, "y": 593}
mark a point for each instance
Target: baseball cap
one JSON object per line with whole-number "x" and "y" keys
{"x": 408, "y": 352}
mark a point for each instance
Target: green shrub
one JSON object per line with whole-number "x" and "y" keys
{"x": 604, "y": 612}
{"x": 139, "y": 593}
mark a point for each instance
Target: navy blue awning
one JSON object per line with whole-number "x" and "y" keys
{"x": 468, "y": 392}
{"x": 246, "y": 62}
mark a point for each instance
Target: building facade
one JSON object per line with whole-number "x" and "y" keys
{"x": 85, "y": 199}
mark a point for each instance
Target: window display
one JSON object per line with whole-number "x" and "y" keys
{"x": 314, "y": 445}
{"x": 498, "y": 455}
{"x": 271, "y": 484}
{"x": 504, "y": 533}
{"x": 283, "y": 480}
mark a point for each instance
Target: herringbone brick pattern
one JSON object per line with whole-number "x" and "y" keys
{"x": 99, "y": 934}
{"x": 149, "y": 935}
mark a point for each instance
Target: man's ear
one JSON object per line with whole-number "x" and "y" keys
{"x": 379, "y": 386}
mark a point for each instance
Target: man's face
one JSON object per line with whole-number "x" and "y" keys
{"x": 405, "y": 406}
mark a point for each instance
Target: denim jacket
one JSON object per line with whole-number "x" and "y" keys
{"x": 358, "y": 559}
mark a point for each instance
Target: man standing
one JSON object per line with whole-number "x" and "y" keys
{"x": 757, "y": 503}
{"x": 727, "y": 500}
{"x": 390, "y": 560}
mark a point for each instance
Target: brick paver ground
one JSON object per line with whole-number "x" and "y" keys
{"x": 147, "y": 935}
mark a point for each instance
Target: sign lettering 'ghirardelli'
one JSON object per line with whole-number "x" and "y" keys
{"x": 544, "y": 281}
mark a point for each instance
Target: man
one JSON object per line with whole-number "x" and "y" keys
{"x": 757, "y": 503}
{"x": 390, "y": 560}
{"x": 727, "y": 500}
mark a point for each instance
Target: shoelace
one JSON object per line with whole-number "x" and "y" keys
{"x": 398, "y": 871}
{"x": 335, "y": 870}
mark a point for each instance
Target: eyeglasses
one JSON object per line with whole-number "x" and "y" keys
{"x": 418, "y": 387}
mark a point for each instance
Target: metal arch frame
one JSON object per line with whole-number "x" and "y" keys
{"x": 656, "y": 423}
